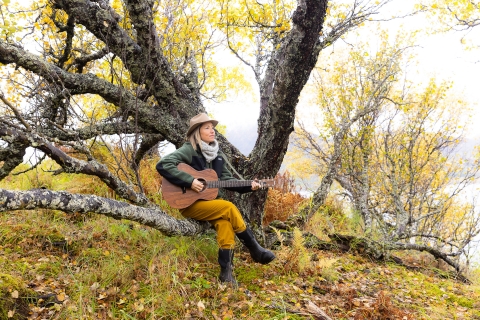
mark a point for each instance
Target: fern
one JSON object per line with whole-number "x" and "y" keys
{"x": 279, "y": 235}
{"x": 301, "y": 253}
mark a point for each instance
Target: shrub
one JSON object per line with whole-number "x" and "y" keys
{"x": 283, "y": 200}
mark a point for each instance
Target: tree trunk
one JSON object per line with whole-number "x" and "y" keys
{"x": 286, "y": 75}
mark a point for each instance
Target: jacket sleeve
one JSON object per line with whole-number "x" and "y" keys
{"x": 227, "y": 175}
{"x": 167, "y": 166}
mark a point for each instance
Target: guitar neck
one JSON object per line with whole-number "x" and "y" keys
{"x": 229, "y": 183}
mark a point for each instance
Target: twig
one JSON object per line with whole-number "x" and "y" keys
{"x": 32, "y": 167}
{"x": 15, "y": 111}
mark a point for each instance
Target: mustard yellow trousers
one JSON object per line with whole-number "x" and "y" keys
{"x": 223, "y": 215}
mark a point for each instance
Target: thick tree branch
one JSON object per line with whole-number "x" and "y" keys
{"x": 286, "y": 74}
{"x": 82, "y": 61}
{"x": 148, "y": 142}
{"x": 128, "y": 104}
{"x": 73, "y": 165}
{"x": 70, "y": 29}
{"x": 111, "y": 127}
{"x": 434, "y": 252}
{"x": 81, "y": 83}
{"x": 144, "y": 60}
{"x": 79, "y": 203}
{"x": 11, "y": 156}
{"x": 380, "y": 250}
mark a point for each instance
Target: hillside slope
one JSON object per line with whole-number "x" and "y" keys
{"x": 54, "y": 266}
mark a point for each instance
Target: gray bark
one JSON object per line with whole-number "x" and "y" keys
{"x": 79, "y": 203}
{"x": 286, "y": 75}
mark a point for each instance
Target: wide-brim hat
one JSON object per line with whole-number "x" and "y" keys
{"x": 198, "y": 120}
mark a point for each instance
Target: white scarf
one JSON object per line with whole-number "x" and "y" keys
{"x": 209, "y": 151}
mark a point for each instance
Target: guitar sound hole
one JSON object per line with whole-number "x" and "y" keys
{"x": 204, "y": 183}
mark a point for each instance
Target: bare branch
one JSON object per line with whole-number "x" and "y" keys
{"x": 73, "y": 165}
{"x": 39, "y": 162}
{"x": 15, "y": 111}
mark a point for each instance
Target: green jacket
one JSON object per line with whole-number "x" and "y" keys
{"x": 167, "y": 167}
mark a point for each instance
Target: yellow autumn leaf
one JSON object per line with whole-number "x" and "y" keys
{"x": 139, "y": 307}
{"x": 14, "y": 294}
{"x": 61, "y": 296}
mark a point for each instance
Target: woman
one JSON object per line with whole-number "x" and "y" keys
{"x": 201, "y": 151}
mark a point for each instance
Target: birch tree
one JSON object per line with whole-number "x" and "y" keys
{"x": 391, "y": 145}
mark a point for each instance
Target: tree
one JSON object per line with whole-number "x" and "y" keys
{"x": 351, "y": 98}
{"x": 459, "y": 15}
{"x": 132, "y": 73}
{"x": 417, "y": 201}
{"x": 391, "y": 146}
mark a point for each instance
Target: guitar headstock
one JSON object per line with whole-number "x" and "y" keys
{"x": 269, "y": 182}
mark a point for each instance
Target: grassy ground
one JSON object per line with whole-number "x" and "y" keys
{"x": 57, "y": 266}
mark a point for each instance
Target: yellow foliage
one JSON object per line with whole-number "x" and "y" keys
{"x": 299, "y": 253}
{"x": 456, "y": 14}
{"x": 400, "y": 155}
{"x": 297, "y": 258}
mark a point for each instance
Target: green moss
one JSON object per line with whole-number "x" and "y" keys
{"x": 14, "y": 297}
{"x": 9, "y": 282}
{"x": 49, "y": 269}
{"x": 433, "y": 290}
{"x": 476, "y": 314}
{"x": 247, "y": 275}
{"x": 462, "y": 301}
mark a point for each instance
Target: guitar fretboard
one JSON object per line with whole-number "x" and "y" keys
{"x": 232, "y": 183}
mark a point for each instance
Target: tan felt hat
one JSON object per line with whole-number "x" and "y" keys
{"x": 198, "y": 120}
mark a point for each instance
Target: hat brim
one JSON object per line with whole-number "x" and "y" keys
{"x": 195, "y": 126}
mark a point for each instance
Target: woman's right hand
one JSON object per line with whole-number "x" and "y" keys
{"x": 196, "y": 186}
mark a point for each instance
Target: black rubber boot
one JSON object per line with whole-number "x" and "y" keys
{"x": 257, "y": 253}
{"x": 225, "y": 259}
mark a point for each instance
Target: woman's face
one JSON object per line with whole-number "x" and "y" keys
{"x": 207, "y": 132}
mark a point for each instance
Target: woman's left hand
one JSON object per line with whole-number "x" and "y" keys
{"x": 256, "y": 185}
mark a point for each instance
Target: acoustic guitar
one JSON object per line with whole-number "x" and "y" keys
{"x": 179, "y": 198}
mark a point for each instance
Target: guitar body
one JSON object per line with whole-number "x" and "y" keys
{"x": 179, "y": 198}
